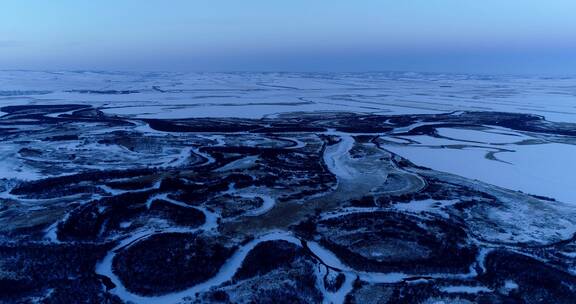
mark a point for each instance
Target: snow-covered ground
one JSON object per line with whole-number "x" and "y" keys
{"x": 491, "y": 136}
{"x": 534, "y": 163}
{"x": 12, "y": 167}
{"x": 183, "y": 95}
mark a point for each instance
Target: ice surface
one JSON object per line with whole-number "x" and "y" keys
{"x": 544, "y": 169}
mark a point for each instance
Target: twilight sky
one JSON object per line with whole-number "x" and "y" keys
{"x": 484, "y": 36}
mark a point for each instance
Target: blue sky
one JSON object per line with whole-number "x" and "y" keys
{"x": 508, "y": 36}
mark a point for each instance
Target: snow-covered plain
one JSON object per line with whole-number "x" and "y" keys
{"x": 183, "y": 95}
{"x": 531, "y": 162}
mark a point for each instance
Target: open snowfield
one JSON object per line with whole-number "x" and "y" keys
{"x": 286, "y": 188}
{"x": 182, "y": 95}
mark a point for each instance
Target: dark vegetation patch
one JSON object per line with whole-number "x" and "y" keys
{"x": 66, "y": 185}
{"x": 403, "y": 243}
{"x": 179, "y": 215}
{"x": 200, "y": 125}
{"x": 87, "y": 222}
{"x": 268, "y": 256}
{"x": 169, "y": 262}
{"x": 133, "y": 184}
{"x": 31, "y": 269}
{"x": 273, "y": 272}
{"x": 42, "y": 109}
{"x": 537, "y": 282}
